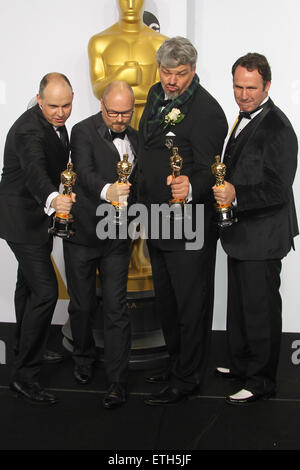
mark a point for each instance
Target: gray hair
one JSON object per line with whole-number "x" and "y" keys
{"x": 176, "y": 51}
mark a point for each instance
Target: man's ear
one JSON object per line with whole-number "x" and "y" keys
{"x": 39, "y": 100}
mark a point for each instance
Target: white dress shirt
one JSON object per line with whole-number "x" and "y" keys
{"x": 123, "y": 146}
{"x": 242, "y": 126}
{"x": 48, "y": 209}
{"x": 246, "y": 121}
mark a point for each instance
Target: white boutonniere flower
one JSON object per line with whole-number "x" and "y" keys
{"x": 173, "y": 117}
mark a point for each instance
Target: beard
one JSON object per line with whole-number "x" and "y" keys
{"x": 172, "y": 96}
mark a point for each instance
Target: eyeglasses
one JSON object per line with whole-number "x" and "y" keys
{"x": 114, "y": 114}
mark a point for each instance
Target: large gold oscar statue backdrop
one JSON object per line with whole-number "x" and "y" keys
{"x": 127, "y": 51}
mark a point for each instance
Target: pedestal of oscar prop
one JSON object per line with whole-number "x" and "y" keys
{"x": 224, "y": 212}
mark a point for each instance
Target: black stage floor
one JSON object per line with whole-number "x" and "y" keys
{"x": 202, "y": 423}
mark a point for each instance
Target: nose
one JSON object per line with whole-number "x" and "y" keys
{"x": 131, "y": 4}
{"x": 120, "y": 117}
{"x": 60, "y": 111}
{"x": 244, "y": 94}
{"x": 173, "y": 79}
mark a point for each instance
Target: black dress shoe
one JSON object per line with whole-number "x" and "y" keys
{"x": 33, "y": 393}
{"x": 167, "y": 396}
{"x": 83, "y": 373}
{"x": 161, "y": 378}
{"x": 52, "y": 357}
{"x": 242, "y": 398}
{"x": 115, "y": 396}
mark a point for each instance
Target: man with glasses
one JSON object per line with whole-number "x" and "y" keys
{"x": 97, "y": 145}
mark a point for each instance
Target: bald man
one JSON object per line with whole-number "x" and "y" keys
{"x": 34, "y": 157}
{"x": 97, "y": 145}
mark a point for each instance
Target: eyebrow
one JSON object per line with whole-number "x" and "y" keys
{"x": 119, "y": 112}
{"x": 58, "y": 105}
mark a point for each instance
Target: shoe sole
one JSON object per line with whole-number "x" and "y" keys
{"x": 251, "y": 400}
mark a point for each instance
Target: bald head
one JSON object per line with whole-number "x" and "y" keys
{"x": 53, "y": 77}
{"x": 117, "y": 105}
{"x": 118, "y": 87}
{"x": 55, "y": 98}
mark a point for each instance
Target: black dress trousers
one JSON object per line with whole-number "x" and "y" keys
{"x": 35, "y": 300}
{"x": 82, "y": 263}
{"x": 254, "y": 321}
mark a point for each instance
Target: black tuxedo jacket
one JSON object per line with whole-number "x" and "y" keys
{"x": 34, "y": 158}
{"x": 95, "y": 160}
{"x": 199, "y": 137}
{"x": 261, "y": 164}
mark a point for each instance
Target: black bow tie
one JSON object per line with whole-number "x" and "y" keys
{"x": 247, "y": 114}
{"x": 118, "y": 135}
{"x": 244, "y": 114}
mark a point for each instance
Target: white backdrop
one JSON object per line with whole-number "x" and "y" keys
{"x": 36, "y": 38}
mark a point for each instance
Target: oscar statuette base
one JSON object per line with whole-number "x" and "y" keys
{"x": 62, "y": 227}
{"x": 225, "y": 216}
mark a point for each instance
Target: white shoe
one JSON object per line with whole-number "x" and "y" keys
{"x": 241, "y": 395}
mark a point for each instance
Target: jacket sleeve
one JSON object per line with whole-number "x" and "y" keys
{"x": 31, "y": 149}
{"x": 266, "y": 176}
{"x": 82, "y": 155}
{"x": 207, "y": 138}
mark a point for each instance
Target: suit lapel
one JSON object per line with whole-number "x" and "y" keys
{"x": 52, "y": 135}
{"x": 102, "y": 131}
{"x": 132, "y": 136}
{"x": 245, "y": 137}
{"x": 159, "y": 128}
{"x": 144, "y": 120}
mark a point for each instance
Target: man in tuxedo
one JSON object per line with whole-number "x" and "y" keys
{"x": 261, "y": 159}
{"x": 34, "y": 158}
{"x": 183, "y": 276}
{"x": 97, "y": 145}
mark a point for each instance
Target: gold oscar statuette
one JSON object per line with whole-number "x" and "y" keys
{"x": 123, "y": 170}
{"x": 63, "y": 222}
{"x": 176, "y": 162}
{"x": 224, "y": 212}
